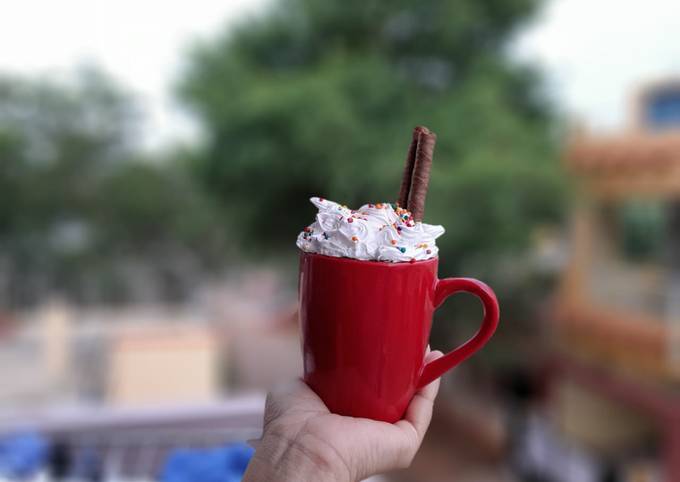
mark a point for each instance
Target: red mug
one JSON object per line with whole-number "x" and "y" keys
{"x": 365, "y": 328}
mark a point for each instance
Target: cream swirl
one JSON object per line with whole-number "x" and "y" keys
{"x": 374, "y": 232}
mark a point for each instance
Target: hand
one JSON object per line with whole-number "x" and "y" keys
{"x": 303, "y": 441}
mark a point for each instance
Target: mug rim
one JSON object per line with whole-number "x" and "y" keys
{"x": 387, "y": 264}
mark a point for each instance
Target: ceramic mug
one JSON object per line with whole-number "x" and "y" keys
{"x": 365, "y": 327}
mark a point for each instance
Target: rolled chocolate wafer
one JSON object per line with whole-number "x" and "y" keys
{"x": 420, "y": 177}
{"x": 408, "y": 168}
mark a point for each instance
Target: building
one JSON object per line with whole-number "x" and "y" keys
{"x": 618, "y": 311}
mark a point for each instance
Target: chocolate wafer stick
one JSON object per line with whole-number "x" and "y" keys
{"x": 408, "y": 168}
{"x": 420, "y": 176}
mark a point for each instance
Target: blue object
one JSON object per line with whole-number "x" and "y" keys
{"x": 662, "y": 109}
{"x": 223, "y": 464}
{"x": 22, "y": 455}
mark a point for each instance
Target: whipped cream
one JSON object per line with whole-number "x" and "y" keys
{"x": 374, "y": 232}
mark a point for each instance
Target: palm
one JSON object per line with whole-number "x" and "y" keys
{"x": 364, "y": 446}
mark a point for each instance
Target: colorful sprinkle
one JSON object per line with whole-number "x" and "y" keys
{"x": 307, "y": 229}
{"x": 394, "y": 241}
{"x": 403, "y": 250}
{"x": 413, "y": 260}
{"x": 355, "y": 239}
{"x": 379, "y": 205}
{"x": 428, "y": 251}
{"x": 325, "y": 235}
{"x": 321, "y": 199}
{"x": 350, "y": 220}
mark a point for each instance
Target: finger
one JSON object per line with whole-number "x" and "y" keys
{"x": 419, "y": 411}
{"x": 430, "y": 391}
{"x": 432, "y": 355}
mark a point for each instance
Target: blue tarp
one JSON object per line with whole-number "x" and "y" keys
{"x": 224, "y": 464}
{"x": 22, "y": 455}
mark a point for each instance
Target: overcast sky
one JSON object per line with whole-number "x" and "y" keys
{"x": 594, "y": 52}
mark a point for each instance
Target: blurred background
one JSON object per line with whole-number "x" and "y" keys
{"x": 156, "y": 162}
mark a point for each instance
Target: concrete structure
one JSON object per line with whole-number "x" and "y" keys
{"x": 237, "y": 336}
{"x": 161, "y": 364}
{"x": 618, "y": 311}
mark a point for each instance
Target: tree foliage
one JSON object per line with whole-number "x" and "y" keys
{"x": 319, "y": 98}
{"x": 82, "y": 212}
{"x": 311, "y": 97}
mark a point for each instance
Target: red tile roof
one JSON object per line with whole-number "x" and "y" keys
{"x": 628, "y": 152}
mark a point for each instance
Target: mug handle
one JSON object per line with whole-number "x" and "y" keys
{"x": 444, "y": 289}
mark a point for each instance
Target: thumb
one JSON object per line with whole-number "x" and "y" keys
{"x": 419, "y": 412}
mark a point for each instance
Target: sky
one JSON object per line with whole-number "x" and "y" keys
{"x": 597, "y": 53}
{"x": 594, "y": 53}
{"x": 140, "y": 44}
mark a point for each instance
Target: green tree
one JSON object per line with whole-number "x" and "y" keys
{"x": 319, "y": 98}
{"x": 315, "y": 97}
{"x": 82, "y": 212}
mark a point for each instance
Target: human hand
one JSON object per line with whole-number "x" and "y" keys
{"x": 303, "y": 441}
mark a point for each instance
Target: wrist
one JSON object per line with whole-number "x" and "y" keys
{"x": 296, "y": 459}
